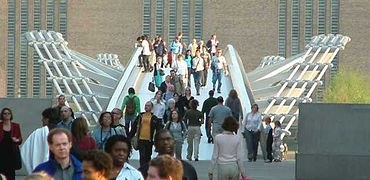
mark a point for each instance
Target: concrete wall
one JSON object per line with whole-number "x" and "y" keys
{"x": 333, "y": 141}
{"x": 353, "y": 22}
{"x": 250, "y": 26}
{"x": 110, "y": 26}
{"x": 3, "y": 46}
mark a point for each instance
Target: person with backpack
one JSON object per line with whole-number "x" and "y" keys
{"x": 178, "y": 129}
{"x": 131, "y": 105}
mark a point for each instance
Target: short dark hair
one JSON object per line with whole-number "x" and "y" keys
{"x": 230, "y": 124}
{"x": 211, "y": 93}
{"x": 168, "y": 166}
{"x": 59, "y": 131}
{"x": 102, "y": 115}
{"x": 117, "y": 138}
{"x": 160, "y": 132}
{"x": 255, "y": 105}
{"x": 51, "y": 113}
{"x": 131, "y": 90}
{"x": 101, "y": 161}
{"x": 220, "y": 99}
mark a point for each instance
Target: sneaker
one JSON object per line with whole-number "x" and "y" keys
{"x": 198, "y": 94}
{"x": 219, "y": 92}
{"x": 196, "y": 159}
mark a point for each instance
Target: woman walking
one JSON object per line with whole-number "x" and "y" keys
{"x": 227, "y": 152}
{"x": 233, "y": 102}
{"x": 102, "y": 133}
{"x": 194, "y": 119}
{"x": 178, "y": 129}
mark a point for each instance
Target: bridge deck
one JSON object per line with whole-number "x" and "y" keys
{"x": 205, "y": 149}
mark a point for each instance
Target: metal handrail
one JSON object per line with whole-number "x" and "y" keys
{"x": 126, "y": 75}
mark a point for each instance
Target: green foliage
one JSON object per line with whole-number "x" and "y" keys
{"x": 348, "y": 87}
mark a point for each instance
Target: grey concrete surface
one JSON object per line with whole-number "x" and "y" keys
{"x": 333, "y": 141}
{"x": 256, "y": 170}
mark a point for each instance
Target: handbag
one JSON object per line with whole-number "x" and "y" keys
{"x": 135, "y": 138}
{"x": 134, "y": 142}
{"x": 151, "y": 86}
{"x": 161, "y": 72}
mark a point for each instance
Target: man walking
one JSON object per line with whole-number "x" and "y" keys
{"x": 208, "y": 104}
{"x": 67, "y": 118}
{"x": 198, "y": 67}
{"x": 132, "y": 104}
{"x": 165, "y": 144}
{"x": 217, "y": 115}
{"x": 62, "y": 165}
{"x": 145, "y": 125}
{"x": 219, "y": 67}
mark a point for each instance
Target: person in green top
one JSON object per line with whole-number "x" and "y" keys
{"x": 194, "y": 119}
{"x": 207, "y": 106}
{"x": 131, "y": 107}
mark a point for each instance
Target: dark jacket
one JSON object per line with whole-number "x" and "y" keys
{"x": 15, "y": 132}
{"x": 50, "y": 167}
{"x": 208, "y": 105}
{"x": 155, "y": 125}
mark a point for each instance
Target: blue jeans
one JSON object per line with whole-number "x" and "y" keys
{"x": 129, "y": 119}
{"x": 217, "y": 76}
{"x": 197, "y": 75}
{"x": 208, "y": 128}
{"x": 252, "y": 139}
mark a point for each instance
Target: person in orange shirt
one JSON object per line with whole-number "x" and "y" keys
{"x": 145, "y": 125}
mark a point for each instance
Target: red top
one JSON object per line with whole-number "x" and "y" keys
{"x": 87, "y": 143}
{"x": 15, "y": 132}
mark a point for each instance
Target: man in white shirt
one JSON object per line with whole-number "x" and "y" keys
{"x": 219, "y": 67}
{"x": 146, "y": 53}
{"x": 159, "y": 107}
{"x": 198, "y": 67}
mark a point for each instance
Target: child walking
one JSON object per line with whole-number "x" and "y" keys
{"x": 277, "y": 141}
{"x": 269, "y": 139}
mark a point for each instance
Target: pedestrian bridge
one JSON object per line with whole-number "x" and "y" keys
{"x": 278, "y": 85}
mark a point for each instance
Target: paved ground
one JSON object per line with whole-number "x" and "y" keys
{"x": 256, "y": 170}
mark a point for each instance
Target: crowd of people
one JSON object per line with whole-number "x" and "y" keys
{"x": 194, "y": 60}
{"x": 65, "y": 148}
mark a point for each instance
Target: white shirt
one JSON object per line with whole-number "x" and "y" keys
{"x": 198, "y": 64}
{"x": 227, "y": 150}
{"x": 158, "y": 108}
{"x": 220, "y": 62}
{"x": 182, "y": 68}
{"x": 129, "y": 172}
{"x": 146, "y": 49}
{"x": 35, "y": 150}
{"x": 253, "y": 122}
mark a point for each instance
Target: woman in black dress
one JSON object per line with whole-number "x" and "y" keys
{"x": 10, "y": 139}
